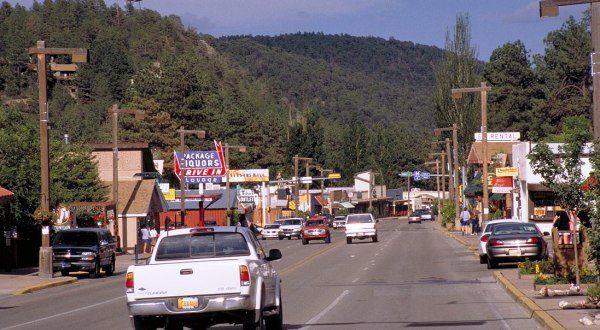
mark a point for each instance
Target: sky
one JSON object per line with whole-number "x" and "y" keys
{"x": 493, "y": 22}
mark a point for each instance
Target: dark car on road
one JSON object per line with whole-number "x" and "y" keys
{"x": 514, "y": 242}
{"x": 84, "y": 249}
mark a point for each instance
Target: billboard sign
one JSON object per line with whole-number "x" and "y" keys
{"x": 258, "y": 175}
{"x": 201, "y": 166}
{"x": 502, "y": 185}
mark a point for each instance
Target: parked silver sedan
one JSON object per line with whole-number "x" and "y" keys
{"x": 514, "y": 242}
{"x": 485, "y": 234}
{"x": 270, "y": 231}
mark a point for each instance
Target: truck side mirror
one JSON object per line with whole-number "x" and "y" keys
{"x": 274, "y": 254}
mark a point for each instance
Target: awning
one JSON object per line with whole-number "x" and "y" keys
{"x": 499, "y": 197}
{"x": 322, "y": 201}
{"x": 347, "y": 205}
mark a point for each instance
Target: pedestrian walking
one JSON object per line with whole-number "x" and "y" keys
{"x": 145, "y": 233}
{"x": 153, "y": 238}
{"x": 464, "y": 221}
{"x": 475, "y": 222}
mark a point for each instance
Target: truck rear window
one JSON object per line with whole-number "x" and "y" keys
{"x": 202, "y": 245}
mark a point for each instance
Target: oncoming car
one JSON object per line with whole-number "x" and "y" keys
{"x": 360, "y": 226}
{"x": 339, "y": 221}
{"x": 270, "y": 231}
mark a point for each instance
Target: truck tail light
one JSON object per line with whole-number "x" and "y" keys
{"x": 244, "y": 275}
{"x": 129, "y": 282}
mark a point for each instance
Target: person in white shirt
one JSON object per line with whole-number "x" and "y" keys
{"x": 464, "y": 221}
{"x": 153, "y": 238}
{"x": 145, "y": 238}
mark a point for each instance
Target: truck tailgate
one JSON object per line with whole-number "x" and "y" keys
{"x": 192, "y": 278}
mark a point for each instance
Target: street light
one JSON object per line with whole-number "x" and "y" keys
{"x": 454, "y": 187}
{"x": 437, "y": 182}
{"x": 297, "y": 180}
{"x": 182, "y": 132}
{"x": 443, "y": 164}
{"x": 240, "y": 149}
{"x": 322, "y": 170}
{"x": 78, "y": 55}
{"x": 483, "y": 89}
{"x": 550, "y": 8}
{"x": 139, "y": 115}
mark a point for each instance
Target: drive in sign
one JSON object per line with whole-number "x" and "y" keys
{"x": 201, "y": 166}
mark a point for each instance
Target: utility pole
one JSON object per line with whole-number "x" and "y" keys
{"x": 550, "y": 8}
{"x": 139, "y": 114}
{"x": 78, "y": 55}
{"x": 297, "y": 179}
{"x": 483, "y": 90}
{"x": 182, "y": 132}
{"x": 453, "y": 178}
{"x": 240, "y": 149}
{"x": 437, "y": 182}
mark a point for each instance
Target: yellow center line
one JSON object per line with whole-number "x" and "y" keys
{"x": 308, "y": 258}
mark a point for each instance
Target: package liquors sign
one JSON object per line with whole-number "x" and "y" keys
{"x": 201, "y": 166}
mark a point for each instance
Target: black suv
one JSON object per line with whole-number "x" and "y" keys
{"x": 84, "y": 249}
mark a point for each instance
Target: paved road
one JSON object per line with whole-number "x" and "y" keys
{"x": 415, "y": 277}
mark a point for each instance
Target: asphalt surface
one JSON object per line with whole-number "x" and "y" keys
{"x": 545, "y": 309}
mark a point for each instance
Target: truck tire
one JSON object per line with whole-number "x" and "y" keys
{"x": 275, "y": 322}
{"x": 140, "y": 323}
{"x": 110, "y": 269}
{"x": 95, "y": 273}
{"x": 304, "y": 241}
{"x": 260, "y": 324}
{"x": 375, "y": 239}
{"x": 348, "y": 240}
{"x": 328, "y": 239}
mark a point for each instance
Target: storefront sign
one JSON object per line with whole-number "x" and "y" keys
{"x": 507, "y": 172}
{"x": 500, "y": 136}
{"x": 257, "y": 175}
{"x": 502, "y": 185}
{"x": 201, "y": 166}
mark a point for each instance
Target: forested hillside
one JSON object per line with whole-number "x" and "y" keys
{"x": 338, "y": 99}
{"x": 381, "y": 81}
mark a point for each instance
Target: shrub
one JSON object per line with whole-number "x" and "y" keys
{"x": 448, "y": 213}
{"x": 593, "y": 293}
{"x": 535, "y": 267}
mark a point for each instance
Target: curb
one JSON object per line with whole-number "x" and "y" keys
{"x": 535, "y": 310}
{"x": 63, "y": 281}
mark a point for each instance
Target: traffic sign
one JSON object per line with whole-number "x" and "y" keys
{"x": 406, "y": 174}
{"x": 418, "y": 175}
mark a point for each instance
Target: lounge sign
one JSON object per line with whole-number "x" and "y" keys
{"x": 201, "y": 166}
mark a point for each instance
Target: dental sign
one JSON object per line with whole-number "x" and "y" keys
{"x": 201, "y": 166}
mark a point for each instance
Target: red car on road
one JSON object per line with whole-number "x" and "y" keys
{"x": 316, "y": 228}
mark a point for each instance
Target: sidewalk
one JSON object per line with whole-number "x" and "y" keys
{"x": 26, "y": 280}
{"x": 543, "y": 309}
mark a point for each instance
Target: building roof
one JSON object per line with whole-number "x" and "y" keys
{"x": 192, "y": 200}
{"x": 139, "y": 197}
{"x": 475, "y": 154}
{"x": 5, "y": 195}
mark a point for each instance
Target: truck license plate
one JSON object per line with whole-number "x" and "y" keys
{"x": 187, "y": 303}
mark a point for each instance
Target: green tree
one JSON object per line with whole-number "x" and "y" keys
{"x": 459, "y": 69}
{"x": 515, "y": 90}
{"x": 563, "y": 176}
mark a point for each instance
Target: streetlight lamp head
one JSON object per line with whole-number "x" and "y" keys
{"x": 457, "y": 95}
{"x": 242, "y": 149}
{"x": 201, "y": 134}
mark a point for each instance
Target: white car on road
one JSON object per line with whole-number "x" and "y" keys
{"x": 360, "y": 226}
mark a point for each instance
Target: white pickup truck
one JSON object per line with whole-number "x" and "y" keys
{"x": 198, "y": 277}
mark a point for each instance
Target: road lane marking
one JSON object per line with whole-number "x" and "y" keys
{"x": 64, "y": 313}
{"x": 355, "y": 280}
{"x": 326, "y": 310}
{"x": 306, "y": 259}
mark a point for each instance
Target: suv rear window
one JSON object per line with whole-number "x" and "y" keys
{"x": 204, "y": 245}
{"x": 293, "y": 222}
{"x": 359, "y": 218}
{"x": 315, "y": 222}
